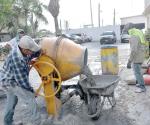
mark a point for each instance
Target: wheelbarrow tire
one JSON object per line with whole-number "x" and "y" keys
{"x": 99, "y": 108}
{"x": 92, "y": 107}
{"x": 96, "y": 117}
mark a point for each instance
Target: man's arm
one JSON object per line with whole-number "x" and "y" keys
{"x": 134, "y": 41}
{"x": 12, "y": 42}
{"x": 21, "y": 73}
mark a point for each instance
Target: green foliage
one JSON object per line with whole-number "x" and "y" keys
{"x": 24, "y": 14}
{"x": 53, "y": 8}
{"x": 4, "y": 51}
{"x": 147, "y": 35}
{"x": 5, "y": 14}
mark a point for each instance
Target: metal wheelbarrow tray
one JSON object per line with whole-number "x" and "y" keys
{"x": 95, "y": 95}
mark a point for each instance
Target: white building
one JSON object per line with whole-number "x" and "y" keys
{"x": 139, "y": 19}
{"x": 147, "y": 13}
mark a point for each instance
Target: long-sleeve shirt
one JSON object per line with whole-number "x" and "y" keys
{"x": 15, "y": 70}
{"x": 137, "y": 53}
{"x": 14, "y": 42}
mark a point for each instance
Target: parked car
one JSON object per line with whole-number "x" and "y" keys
{"x": 108, "y": 37}
{"x": 77, "y": 39}
{"x": 125, "y": 38}
{"x": 73, "y": 37}
{"x": 84, "y": 37}
{"x": 67, "y": 36}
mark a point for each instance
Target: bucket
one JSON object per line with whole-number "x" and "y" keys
{"x": 109, "y": 60}
{"x": 69, "y": 57}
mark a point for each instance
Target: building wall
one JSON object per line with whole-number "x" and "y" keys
{"x": 147, "y": 13}
{"x": 148, "y": 21}
{"x": 133, "y": 19}
{"x": 95, "y": 32}
{"x": 147, "y": 3}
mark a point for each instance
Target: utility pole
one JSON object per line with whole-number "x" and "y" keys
{"x": 60, "y": 25}
{"x": 91, "y": 13}
{"x": 66, "y": 25}
{"x": 99, "y": 17}
{"x": 114, "y": 18}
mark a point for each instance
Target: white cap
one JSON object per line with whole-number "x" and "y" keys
{"x": 26, "y": 42}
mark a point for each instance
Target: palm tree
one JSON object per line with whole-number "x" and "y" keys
{"x": 5, "y": 14}
{"x": 24, "y": 14}
{"x": 53, "y": 8}
{"x": 32, "y": 11}
{"x": 37, "y": 11}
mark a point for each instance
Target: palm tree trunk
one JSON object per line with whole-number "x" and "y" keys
{"x": 26, "y": 19}
{"x": 2, "y": 27}
{"x": 57, "y": 31}
{"x": 32, "y": 26}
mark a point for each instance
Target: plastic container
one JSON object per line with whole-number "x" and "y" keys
{"x": 109, "y": 60}
{"x": 146, "y": 79}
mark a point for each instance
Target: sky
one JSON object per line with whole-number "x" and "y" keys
{"x": 77, "y": 12}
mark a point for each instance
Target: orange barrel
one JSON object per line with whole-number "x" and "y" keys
{"x": 69, "y": 57}
{"x": 109, "y": 60}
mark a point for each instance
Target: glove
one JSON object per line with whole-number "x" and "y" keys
{"x": 129, "y": 65}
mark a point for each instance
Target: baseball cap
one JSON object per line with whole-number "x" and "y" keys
{"x": 20, "y": 31}
{"x": 26, "y": 42}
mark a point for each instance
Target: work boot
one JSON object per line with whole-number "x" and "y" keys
{"x": 137, "y": 85}
{"x": 140, "y": 90}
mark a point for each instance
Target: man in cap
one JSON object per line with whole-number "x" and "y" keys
{"x": 14, "y": 79}
{"x": 14, "y": 42}
{"x": 137, "y": 54}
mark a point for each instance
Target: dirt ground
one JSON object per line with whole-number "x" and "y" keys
{"x": 131, "y": 108}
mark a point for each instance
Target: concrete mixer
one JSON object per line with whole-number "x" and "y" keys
{"x": 63, "y": 60}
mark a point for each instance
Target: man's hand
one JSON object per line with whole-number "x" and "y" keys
{"x": 129, "y": 65}
{"x": 8, "y": 46}
{"x": 43, "y": 52}
{"x": 34, "y": 60}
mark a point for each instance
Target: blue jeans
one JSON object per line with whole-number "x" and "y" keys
{"x": 31, "y": 113}
{"x": 11, "y": 103}
{"x": 138, "y": 75}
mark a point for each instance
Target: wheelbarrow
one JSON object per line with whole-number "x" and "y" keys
{"x": 95, "y": 96}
